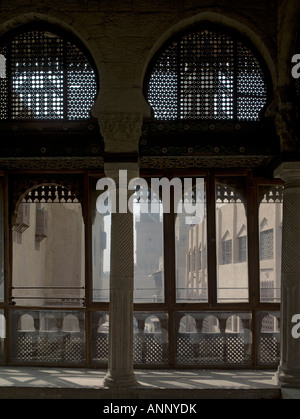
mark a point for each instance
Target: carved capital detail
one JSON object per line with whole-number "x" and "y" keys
{"x": 121, "y": 131}
{"x": 282, "y": 110}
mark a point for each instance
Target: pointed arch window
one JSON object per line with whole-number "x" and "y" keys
{"x": 49, "y": 259}
{"x": 208, "y": 75}
{"x": 48, "y": 77}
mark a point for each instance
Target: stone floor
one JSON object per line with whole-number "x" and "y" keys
{"x": 60, "y": 383}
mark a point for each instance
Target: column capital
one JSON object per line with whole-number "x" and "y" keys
{"x": 121, "y": 131}
{"x": 282, "y": 110}
{"x": 288, "y": 171}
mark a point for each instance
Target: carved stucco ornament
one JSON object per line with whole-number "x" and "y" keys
{"x": 121, "y": 131}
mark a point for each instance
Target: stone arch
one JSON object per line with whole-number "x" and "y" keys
{"x": 269, "y": 323}
{"x": 74, "y": 42}
{"x": 234, "y": 324}
{"x": 187, "y": 324}
{"x": 26, "y": 323}
{"x": 152, "y": 324}
{"x": 223, "y": 21}
{"x": 103, "y": 323}
{"x": 211, "y": 324}
{"x": 70, "y": 323}
{"x": 60, "y": 20}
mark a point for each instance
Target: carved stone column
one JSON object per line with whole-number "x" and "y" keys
{"x": 289, "y": 369}
{"x": 121, "y": 134}
{"x": 120, "y": 352}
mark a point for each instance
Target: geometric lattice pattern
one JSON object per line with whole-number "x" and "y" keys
{"x": 149, "y": 350}
{"x": 207, "y": 75}
{"x": 102, "y": 348}
{"x": 214, "y": 342}
{"x": 47, "y": 337}
{"x": 153, "y": 350}
{"x": 138, "y": 350}
{"x": 269, "y": 349}
{"x": 73, "y": 348}
{"x": 187, "y": 349}
{"x": 235, "y": 349}
{"x": 211, "y": 350}
{"x": 25, "y": 346}
{"x": 49, "y": 78}
{"x": 50, "y": 347}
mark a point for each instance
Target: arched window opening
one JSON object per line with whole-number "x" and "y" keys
{"x": 269, "y": 342}
{"x": 191, "y": 234}
{"x": 48, "y": 249}
{"x": 269, "y": 324}
{"x": 148, "y": 248}
{"x": 231, "y": 240}
{"x": 211, "y": 324}
{"x": 270, "y": 241}
{"x": 152, "y": 325}
{"x": 187, "y": 325}
{"x": 26, "y": 323}
{"x": 234, "y": 324}
{"x": 71, "y": 323}
{"x": 48, "y": 77}
{"x": 207, "y": 74}
{"x": 101, "y": 227}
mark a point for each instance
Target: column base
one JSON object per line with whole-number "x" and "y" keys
{"x": 288, "y": 378}
{"x": 124, "y": 380}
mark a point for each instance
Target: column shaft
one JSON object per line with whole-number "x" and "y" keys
{"x": 289, "y": 369}
{"x": 120, "y": 358}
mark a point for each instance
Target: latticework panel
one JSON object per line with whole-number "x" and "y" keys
{"x": 81, "y": 84}
{"x": 207, "y": 75}
{"x": 37, "y": 76}
{"x": 211, "y": 349}
{"x": 269, "y": 349}
{"x": 102, "y": 347}
{"x": 163, "y": 89}
{"x": 49, "y": 348}
{"x": 47, "y": 337}
{"x": 25, "y": 346}
{"x": 251, "y": 89}
{"x": 73, "y": 348}
{"x": 3, "y": 87}
{"x": 138, "y": 349}
{"x": 187, "y": 349}
{"x": 49, "y": 79}
{"x": 235, "y": 349}
{"x": 154, "y": 350}
{"x": 268, "y": 341}
{"x": 214, "y": 339}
